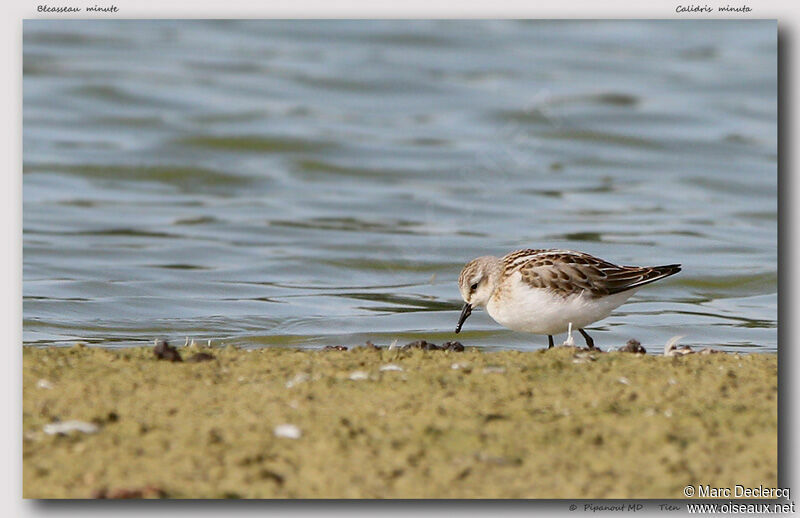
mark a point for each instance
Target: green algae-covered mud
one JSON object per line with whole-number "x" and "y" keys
{"x": 379, "y": 423}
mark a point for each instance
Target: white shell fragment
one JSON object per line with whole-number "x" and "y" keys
{"x": 68, "y": 427}
{"x": 673, "y": 349}
{"x": 391, "y": 367}
{"x": 287, "y": 431}
{"x": 297, "y": 379}
{"x": 44, "y": 384}
{"x": 359, "y": 375}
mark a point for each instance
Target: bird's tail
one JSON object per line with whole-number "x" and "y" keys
{"x": 631, "y": 277}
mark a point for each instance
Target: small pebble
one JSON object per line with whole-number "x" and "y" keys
{"x": 44, "y": 384}
{"x": 624, "y": 380}
{"x": 287, "y": 431}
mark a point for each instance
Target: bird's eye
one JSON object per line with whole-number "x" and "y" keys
{"x": 474, "y": 287}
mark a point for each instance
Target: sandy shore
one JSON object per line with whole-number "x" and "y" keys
{"x": 366, "y": 423}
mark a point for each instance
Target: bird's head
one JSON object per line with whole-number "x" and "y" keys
{"x": 477, "y": 282}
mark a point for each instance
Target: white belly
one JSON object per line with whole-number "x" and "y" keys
{"x": 541, "y": 311}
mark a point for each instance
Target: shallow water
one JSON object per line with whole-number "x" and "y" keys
{"x": 314, "y": 183}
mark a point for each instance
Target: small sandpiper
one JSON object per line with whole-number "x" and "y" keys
{"x": 544, "y": 291}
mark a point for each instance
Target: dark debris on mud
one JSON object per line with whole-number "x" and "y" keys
{"x": 123, "y": 493}
{"x": 418, "y": 344}
{"x": 633, "y": 346}
{"x": 200, "y": 357}
{"x": 164, "y": 351}
{"x": 428, "y": 346}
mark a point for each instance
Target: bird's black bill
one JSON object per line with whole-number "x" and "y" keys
{"x": 467, "y": 311}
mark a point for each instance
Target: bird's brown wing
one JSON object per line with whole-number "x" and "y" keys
{"x": 568, "y": 272}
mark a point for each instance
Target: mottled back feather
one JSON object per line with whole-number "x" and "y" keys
{"x": 568, "y": 272}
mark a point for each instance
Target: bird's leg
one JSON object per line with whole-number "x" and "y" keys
{"x": 589, "y": 341}
{"x": 569, "y": 342}
{"x": 550, "y": 341}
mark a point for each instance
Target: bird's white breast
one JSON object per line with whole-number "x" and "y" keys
{"x": 520, "y": 307}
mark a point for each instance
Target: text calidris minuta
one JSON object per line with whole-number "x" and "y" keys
{"x": 543, "y": 291}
